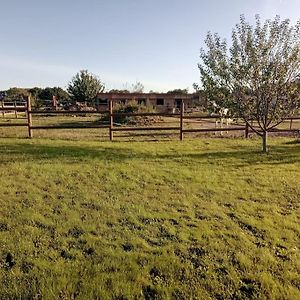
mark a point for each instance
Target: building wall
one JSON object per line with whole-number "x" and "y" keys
{"x": 160, "y": 101}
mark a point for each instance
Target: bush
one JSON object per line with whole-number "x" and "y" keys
{"x": 133, "y": 107}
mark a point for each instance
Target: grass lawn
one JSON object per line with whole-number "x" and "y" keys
{"x": 198, "y": 219}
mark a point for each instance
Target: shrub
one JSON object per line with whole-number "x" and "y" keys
{"x": 133, "y": 107}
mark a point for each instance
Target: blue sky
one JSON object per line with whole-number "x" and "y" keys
{"x": 156, "y": 42}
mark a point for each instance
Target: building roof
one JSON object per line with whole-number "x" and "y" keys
{"x": 149, "y": 95}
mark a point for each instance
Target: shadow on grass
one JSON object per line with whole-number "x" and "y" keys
{"x": 23, "y": 151}
{"x": 83, "y": 124}
{"x": 297, "y": 141}
{"x": 72, "y": 153}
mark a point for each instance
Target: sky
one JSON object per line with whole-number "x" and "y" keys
{"x": 156, "y": 42}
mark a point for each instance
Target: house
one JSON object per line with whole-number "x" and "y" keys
{"x": 162, "y": 102}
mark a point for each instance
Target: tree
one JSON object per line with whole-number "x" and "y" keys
{"x": 48, "y": 92}
{"x": 137, "y": 87}
{"x": 116, "y": 91}
{"x": 16, "y": 93}
{"x": 35, "y": 92}
{"x": 2, "y": 95}
{"x": 256, "y": 76}
{"x": 85, "y": 86}
{"x": 178, "y": 91}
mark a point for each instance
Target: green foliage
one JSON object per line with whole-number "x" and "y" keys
{"x": 119, "y": 91}
{"x": 137, "y": 87}
{"x": 40, "y": 94}
{"x": 36, "y": 94}
{"x": 178, "y": 91}
{"x": 17, "y": 93}
{"x": 168, "y": 220}
{"x": 131, "y": 107}
{"x": 256, "y": 76}
{"x": 85, "y": 86}
{"x": 48, "y": 92}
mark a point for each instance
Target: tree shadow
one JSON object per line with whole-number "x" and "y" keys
{"x": 82, "y": 124}
{"x": 70, "y": 153}
{"x": 241, "y": 158}
{"x": 66, "y": 153}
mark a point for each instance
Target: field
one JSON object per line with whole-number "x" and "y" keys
{"x": 198, "y": 219}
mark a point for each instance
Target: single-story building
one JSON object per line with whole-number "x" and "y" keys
{"x": 162, "y": 102}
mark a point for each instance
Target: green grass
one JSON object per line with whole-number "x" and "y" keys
{"x": 198, "y": 219}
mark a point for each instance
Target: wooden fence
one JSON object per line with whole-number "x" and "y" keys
{"x": 181, "y": 115}
{"x": 13, "y": 106}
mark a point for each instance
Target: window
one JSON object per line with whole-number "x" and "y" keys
{"x": 120, "y": 101}
{"x": 178, "y": 103}
{"x": 103, "y": 101}
{"x": 160, "y": 101}
{"x": 141, "y": 101}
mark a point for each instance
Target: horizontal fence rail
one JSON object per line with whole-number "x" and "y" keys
{"x": 202, "y": 116}
{"x": 144, "y": 128}
{"x": 182, "y": 117}
{"x": 13, "y": 125}
{"x": 68, "y": 126}
{"x": 214, "y": 129}
{"x": 67, "y": 112}
{"x": 146, "y": 114}
{"x": 13, "y": 108}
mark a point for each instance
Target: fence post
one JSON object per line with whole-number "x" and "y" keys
{"x": 2, "y": 105}
{"x": 54, "y": 102}
{"x": 29, "y": 117}
{"x": 246, "y": 130}
{"x": 16, "y": 113}
{"x": 181, "y": 119}
{"x": 111, "y": 120}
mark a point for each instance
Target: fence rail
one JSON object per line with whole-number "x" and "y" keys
{"x": 13, "y": 125}
{"x": 68, "y": 127}
{"x": 143, "y": 128}
{"x": 66, "y": 112}
{"x": 111, "y": 126}
{"x": 214, "y": 129}
{"x": 145, "y": 114}
{"x": 13, "y": 108}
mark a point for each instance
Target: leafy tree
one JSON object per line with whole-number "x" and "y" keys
{"x": 196, "y": 87}
{"x": 35, "y": 92}
{"x": 2, "y": 94}
{"x": 119, "y": 91}
{"x": 137, "y": 87}
{"x": 16, "y": 93}
{"x": 48, "y": 92}
{"x": 178, "y": 91}
{"x": 85, "y": 86}
{"x": 256, "y": 76}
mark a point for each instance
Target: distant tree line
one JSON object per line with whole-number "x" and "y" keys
{"x": 35, "y": 93}
{"x": 83, "y": 87}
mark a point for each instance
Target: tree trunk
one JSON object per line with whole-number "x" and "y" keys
{"x": 264, "y": 140}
